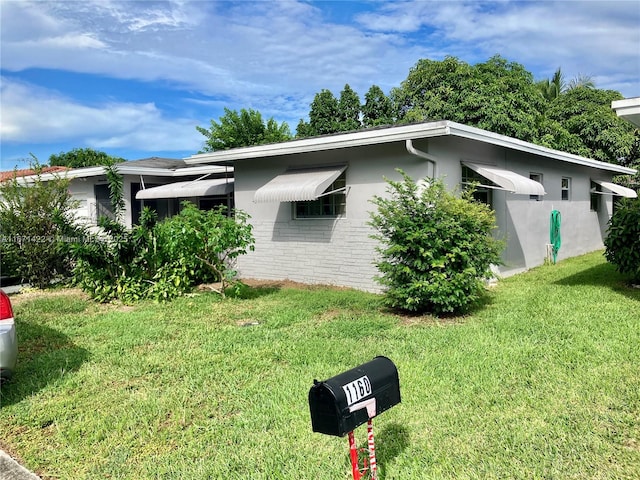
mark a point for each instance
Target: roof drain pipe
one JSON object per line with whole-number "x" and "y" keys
{"x": 419, "y": 153}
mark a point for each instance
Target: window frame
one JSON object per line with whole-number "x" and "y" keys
{"x": 482, "y": 193}
{"x": 595, "y": 197}
{"x": 333, "y": 201}
{"x": 538, "y": 179}
{"x": 566, "y": 189}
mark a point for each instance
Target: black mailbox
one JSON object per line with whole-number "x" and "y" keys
{"x": 342, "y": 403}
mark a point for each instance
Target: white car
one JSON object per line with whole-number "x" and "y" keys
{"x": 8, "y": 339}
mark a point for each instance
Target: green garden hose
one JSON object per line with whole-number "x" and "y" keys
{"x": 554, "y": 234}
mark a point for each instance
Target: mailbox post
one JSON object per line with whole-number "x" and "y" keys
{"x": 342, "y": 403}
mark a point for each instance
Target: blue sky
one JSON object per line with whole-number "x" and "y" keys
{"x": 135, "y": 78}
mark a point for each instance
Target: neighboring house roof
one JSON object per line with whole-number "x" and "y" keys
{"x": 28, "y": 172}
{"x": 629, "y": 109}
{"x": 395, "y": 134}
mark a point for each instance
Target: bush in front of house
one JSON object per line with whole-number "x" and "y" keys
{"x": 37, "y": 228}
{"x": 436, "y": 248}
{"x": 162, "y": 260}
{"x": 622, "y": 245}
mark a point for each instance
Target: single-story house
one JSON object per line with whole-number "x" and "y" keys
{"x": 160, "y": 183}
{"x": 310, "y": 199}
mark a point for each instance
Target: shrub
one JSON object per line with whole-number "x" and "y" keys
{"x": 162, "y": 260}
{"x": 622, "y": 245}
{"x": 206, "y": 243}
{"x": 37, "y": 227}
{"x": 437, "y": 248}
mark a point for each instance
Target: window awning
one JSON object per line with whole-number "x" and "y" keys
{"x": 193, "y": 188}
{"x": 508, "y": 180}
{"x": 617, "y": 189}
{"x": 298, "y": 185}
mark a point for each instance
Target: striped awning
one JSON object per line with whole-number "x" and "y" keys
{"x": 193, "y": 188}
{"x": 507, "y": 180}
{"x": 616, "y": 189}
{"x": 297, "y": 185}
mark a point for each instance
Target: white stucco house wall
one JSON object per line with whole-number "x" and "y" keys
{"x": 160, "y": 183}
{"x": 310, "y": 199}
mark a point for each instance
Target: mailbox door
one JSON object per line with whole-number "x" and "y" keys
{"x": 334, "y": 403}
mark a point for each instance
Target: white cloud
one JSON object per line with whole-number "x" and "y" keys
{"x": 37, "y": 115}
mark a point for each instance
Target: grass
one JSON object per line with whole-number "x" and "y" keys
{"x": 541, "y": 382}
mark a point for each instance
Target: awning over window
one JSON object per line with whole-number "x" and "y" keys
{"x": 617, "y": 189}
{"x": 298, "y": 185}
{"x": 194, "y": 188}
{"x": 508, "y": 180}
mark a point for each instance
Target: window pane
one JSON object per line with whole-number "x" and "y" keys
{"x": 537, "y": 177}
{"x": 329, "y": 206}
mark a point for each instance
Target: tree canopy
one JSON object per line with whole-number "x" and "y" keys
{"x": 377, "y": 108}
{"x": 586, "y": 114}
{"x": 83, "y": 157}
{"x": 242, "y": 129}
{"x": 497, "y": 95}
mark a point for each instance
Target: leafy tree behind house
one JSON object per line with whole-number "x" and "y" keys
{"x": 377, "y": 109}
{"x": 586, "y": 114}
{"x": 436, "y": 248}
{"x": 83, "y": 157}
{"x": 349, "y": 110}
{"x": 496, "y": 95}
{"x": 324, "y": 116}
{"x": 242, "y": 129}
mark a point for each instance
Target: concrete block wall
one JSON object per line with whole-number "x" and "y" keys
{"x": 336, "y": 252}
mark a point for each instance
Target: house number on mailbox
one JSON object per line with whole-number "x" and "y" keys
{"x": 357, "y": 390}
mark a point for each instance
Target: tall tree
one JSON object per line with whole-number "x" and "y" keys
{"x": 586, "y": 114}
{"x": 349, "y": 110}
{"x": 83, "y": 157}
{"x": 377, "y": 108}
{"x": 551, "y": 88}
{"x": 496, "y": 95}
{"x": 242, "y": 129}
{"x": 581, "y": 81}
{"x": 324, "y": 116}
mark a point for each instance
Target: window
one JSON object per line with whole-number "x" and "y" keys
{"x": 330, "y": 204}
{"x": 103, "y": 202}
{"x": 482, "y": 193}
{"x": 536, "y": 177}
{"x": 566, "y": 188}
{"x": 596, "y": 193}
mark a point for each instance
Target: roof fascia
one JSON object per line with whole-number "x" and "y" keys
{"x": 327, "y": 142}
{"x": 393, "y": 134}
{"x": 485, "y": 136}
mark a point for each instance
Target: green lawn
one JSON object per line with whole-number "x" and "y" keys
{"x": 542, "y": 382}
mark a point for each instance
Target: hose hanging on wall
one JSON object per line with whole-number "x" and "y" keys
{"x": 554, "y": 234}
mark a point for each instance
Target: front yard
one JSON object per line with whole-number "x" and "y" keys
{"x": 542, "y": 382}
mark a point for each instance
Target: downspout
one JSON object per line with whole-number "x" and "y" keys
{"x": 419, "y": 153}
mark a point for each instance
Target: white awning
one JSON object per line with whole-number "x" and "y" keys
{"x": 617, "y": 189}
{"x": 298, "y": 185}
{"x": 508, "y": 180}
{"x": 194, "y": 188}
